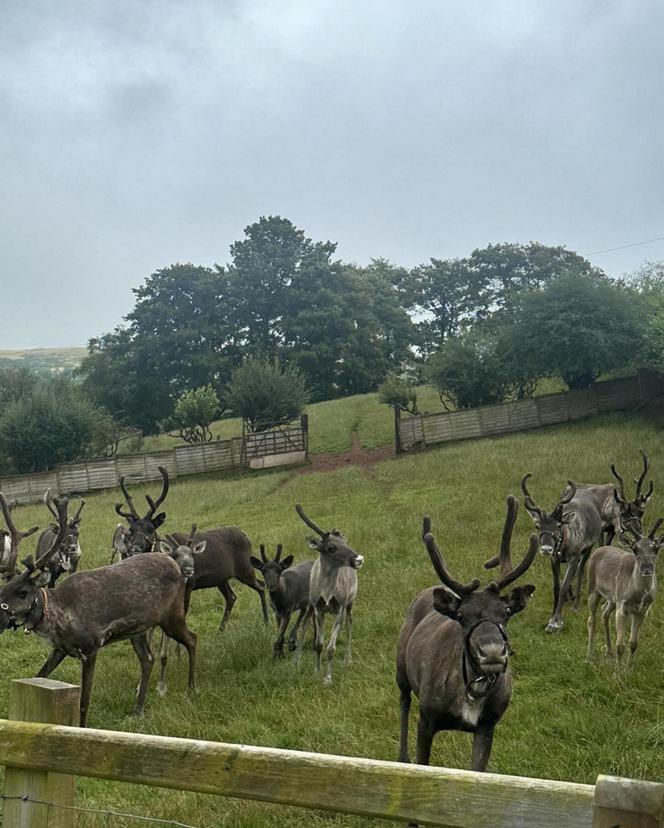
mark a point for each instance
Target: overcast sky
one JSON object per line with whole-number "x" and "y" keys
{"x": 136, "y": 135}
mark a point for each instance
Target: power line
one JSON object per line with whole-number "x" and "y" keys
{"x": 625, "y": 246}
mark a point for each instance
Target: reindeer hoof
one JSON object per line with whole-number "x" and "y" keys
{"x": 161, "y": 690}
{"x": 327, "y": 681}
{"x": 554, "y": 626}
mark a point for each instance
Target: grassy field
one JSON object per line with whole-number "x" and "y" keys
{"x": 568, "y": 719}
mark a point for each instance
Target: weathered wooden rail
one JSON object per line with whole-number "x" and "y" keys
{"x": 43, "y": 759}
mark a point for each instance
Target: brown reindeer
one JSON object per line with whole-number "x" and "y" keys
{"x": 89, "y": 610}
{"x": 142, "y": 533}
{"x": 626, "y": 580}
{"x": 453, "y": 650}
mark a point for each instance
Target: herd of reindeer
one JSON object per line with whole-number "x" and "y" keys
{"x": 453, "y": 648}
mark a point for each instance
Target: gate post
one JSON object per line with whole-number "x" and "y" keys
{"x": 51, "y": 702}
{"x": 628, "y": 803}
{"x": 397, "y": 432}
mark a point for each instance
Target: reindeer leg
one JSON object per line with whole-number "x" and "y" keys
{"x": 620, "y": 632}
{"x": 556, "y": 621}
{"x": 332, "y": 644}
{"x": 482, "y": 743}
{"x": 308, "y": 613}
{"x": 87, "y": 679}
{"x": 593, "y": 603}
{"x": 555, "y": 571}
{"x": 230, "y": 599}
{"x": 292, "y": 635}
{"x": 278, "y": 646}
{"x": 141, "y": 645}
{"x": 637, "y": 620}
{"x": 318, "y": 637}
{"x": 163, "y": 661}
{"x": 177, "y": 628}
{"x": 607, "y": 611}
{"x": 51, "y": 663}
{"x": 579, "y": 577}
{"x": 404, "y": 704}
{"x": 425, "y": 734}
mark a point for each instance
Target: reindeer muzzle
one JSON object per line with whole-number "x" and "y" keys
{"x": 647, "y": 570}
{"x": 357, "y": 562}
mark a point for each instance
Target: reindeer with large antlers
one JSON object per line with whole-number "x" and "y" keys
{"x": 332, "y": 589}
{"x": 626, "y": 580}
{"x": 69, "y": 551}
{"x": 142, "y": 533}
{"x": 567, "y": 535}
{"x": 453, "y": 650}
{"x": 11, "y": 539}
{"x": 89, "y": 610}
{"x": 615, "y": 507}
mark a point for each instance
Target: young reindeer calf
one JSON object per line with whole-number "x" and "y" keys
{"x": 453, "y": 651}
{"x": 289, "y": 591}
{"x": 627, "y": 582}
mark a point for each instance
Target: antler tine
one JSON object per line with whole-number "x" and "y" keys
{"x": 655, "y": 527}
{"x": 126, "y": 515}
{"x": 620, "y": 481}
{"x": 530, "y": 503}
{"x": 309, "y": 522}
{"x": 566, "y": 498}
{"x": 192, "y": 534}
{"x": 280, "y": 549}
{"x": 130, "y": 502}
{"x": 165, "y": 484}
{"x": 262, "y": 551}
{"x": 15, "y": 534}
{"x": 439, "y": 565}
{"x": 518, "y": 571}
{"x": 77, "y": 516}
{"x": 504, "y": 557}
{"x": 639, "y": 482}
{"x": 61, "y": 506}
{"x": 48, "y": 500}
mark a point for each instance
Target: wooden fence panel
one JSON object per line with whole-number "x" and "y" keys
{"x": 495, "y": 419}
{"x": 73, "y": 478}
{"x": 465, "y": 424}
{"x": 130, "y": 466}
{"x": 582, "y": 404}
{"x": 411, "y": 430}
{"x": 618, "y": 395}
{"x": 523, "y": 415}
{"x": 102, "y": 474}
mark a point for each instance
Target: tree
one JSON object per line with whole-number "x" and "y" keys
{"x": 468, "y": 371}
{"x": 194, "y": 412}
{"x": 16, "y": 382}
{"x": 576, "y": 328}
{"x": 264, "y": 394}
{"x": 399, "y": 393}
{"x": 55, "y": 424}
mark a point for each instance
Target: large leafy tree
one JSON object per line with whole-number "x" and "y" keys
{"x": 576, "y": 328}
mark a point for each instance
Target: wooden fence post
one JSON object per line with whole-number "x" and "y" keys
{"x": 304, "y": 423}
{"x": 397, "y": 433}
{"x": 628, "y": 803}
{"x": 52, "y": 702}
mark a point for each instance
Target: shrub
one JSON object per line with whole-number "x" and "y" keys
{"x": 398, "y": 392}
{"x": 193, "y": 414}
{"x": 264, "y": 394}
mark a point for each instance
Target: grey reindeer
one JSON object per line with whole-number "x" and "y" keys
{"x": 626, "y": 580}
{"x": 141, "y": 534}
{"x": 89, "y": 610}
{"x": 332, "y": 589}
{"x": 566, "y": 535}
{"x": 289, "y": 592}
{"x": 69, "y": 553}
{"x": 453, "y": 650}
{"x": 615, "y": 507}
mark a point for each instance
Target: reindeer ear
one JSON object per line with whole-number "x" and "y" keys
{"x": 518, "y": 598}
{"x": 445, "y": 602}
{"x": 166, "y": 547}
{"x": 199, "y": 547}
{"x": 623, "y": 537}
{"x": 287, "y": 561}
{"x": 256, "y": 563}
{"x": 314, "y": 543}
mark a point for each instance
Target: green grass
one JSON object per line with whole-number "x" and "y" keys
{"x": 568, "y": 720}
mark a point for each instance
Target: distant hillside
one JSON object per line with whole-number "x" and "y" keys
{"x": 54, "y": 360}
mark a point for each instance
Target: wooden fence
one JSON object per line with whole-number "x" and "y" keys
{"x": 42, "y": 760}
{"x": 520, "y": 415}
{"x": 282, "y": 446}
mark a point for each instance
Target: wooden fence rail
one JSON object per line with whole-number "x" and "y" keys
{"x": 624, "y": 394}
{"x": 32, "y": 753}
{"x": 273, "y": 448}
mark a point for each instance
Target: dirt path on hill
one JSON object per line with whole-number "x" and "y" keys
{"x": 355, "y": 456}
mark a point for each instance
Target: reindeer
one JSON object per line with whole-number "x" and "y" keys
{"x": 89, "y": 610}
{"x": 142, "y": 532}
{"x": 626, "y": 580}
{"x": 119, "y": 544}
{"x": 613, "y": 504}
{"x": 453, "y": 650}
{"x": 332, "y": 588}
{"x": 566, "y": 535}
{"x": 289, "y": 591}
{"x": 218, "y": 555}
{"x": 11, "y": 538}
{"x": 69, "y": 552}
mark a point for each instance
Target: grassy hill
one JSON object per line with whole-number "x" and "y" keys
{"x": 45, "y": 359}
{"x": 568, "y": 719}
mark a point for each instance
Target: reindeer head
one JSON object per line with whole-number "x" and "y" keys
{"x": 10, "y": 539}
{"x": 69, "y": 548}
{"x": 483, "y": 614}
{"x": 271, "y": 570}
{"x": 645, "y": 547}
{"x": 551, "y": 525}
{"x": 332, "y": 545}
{"x": 143, "y": 530}
{"x": 631, "y": 511}
{"x": 183, "y": 553}
{"x": 19, "y": 604}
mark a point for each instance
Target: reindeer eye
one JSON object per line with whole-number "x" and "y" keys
{"x": 331, "y": 547}
{"x": 508, "y": 611}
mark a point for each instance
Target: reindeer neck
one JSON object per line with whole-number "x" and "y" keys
{"x": 327, "y": 579}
